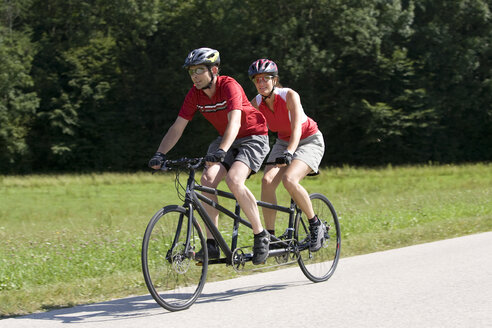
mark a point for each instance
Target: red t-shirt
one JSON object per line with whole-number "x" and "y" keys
{"x": 229, "y": 95}
{"x": 279, "y": 119}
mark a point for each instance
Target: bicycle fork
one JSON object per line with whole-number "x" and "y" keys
{"x": 188, "y": 251}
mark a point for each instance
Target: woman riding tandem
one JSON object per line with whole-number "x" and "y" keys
{"x": 297, "y": 152}
{"x": 240, "y": 148}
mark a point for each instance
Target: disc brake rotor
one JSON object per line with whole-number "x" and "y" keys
{"x": 180, "y": 262}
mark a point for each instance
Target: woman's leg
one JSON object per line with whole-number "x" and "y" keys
{"x": 294, "y": 173}
{"x": 271, "y": 180}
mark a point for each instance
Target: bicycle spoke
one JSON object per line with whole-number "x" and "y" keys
{"x": 172, "y": 275}
{"x": 319, "y": 266}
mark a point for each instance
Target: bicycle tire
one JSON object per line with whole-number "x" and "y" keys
{"x": 320, "y": 265}
{"x": 173, "y": 278}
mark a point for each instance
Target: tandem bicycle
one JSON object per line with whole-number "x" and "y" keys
{"x": 175, "y": 278}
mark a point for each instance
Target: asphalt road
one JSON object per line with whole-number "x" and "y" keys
{"x": 442, "y": 284}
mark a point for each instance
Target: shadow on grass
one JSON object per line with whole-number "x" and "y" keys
{"x": 141, "y": 306}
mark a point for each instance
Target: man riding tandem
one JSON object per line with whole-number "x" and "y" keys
{"x": 239, "y": 150}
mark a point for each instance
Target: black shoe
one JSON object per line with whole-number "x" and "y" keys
{"x": 260, "y": 247}
{"x": 318, "y": 231}
{"x": 213, "y": 251}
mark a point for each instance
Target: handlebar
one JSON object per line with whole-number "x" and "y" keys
{"x": 183, "y": 163}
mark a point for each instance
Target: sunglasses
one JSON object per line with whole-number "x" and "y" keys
{"x": 265, "y": 78}
{"x": 197, "y": 71}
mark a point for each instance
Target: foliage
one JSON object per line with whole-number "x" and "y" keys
{"x": 455, "y": 38}
{"x": 18, "y": 102}
{"x": 93, "y": 85}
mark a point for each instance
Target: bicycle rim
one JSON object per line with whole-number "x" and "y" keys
{"x": 319, "y": 266}
{"x": 173, "y": 278}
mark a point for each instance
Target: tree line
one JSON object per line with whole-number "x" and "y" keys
{"x": 93, "y": 85}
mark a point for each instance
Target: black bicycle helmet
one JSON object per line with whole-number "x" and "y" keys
{"x": 262, "y": 66}
{"x": 202, "y": 56}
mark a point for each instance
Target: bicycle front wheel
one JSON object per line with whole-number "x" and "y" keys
{"x": 171, "y": 273}
{"x": 320, "y": 265}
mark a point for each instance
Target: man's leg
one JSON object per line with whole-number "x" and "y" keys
{"x": 211, "y": 177}
{"x": 235, "y": 179}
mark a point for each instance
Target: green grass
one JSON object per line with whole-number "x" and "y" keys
{"x": 74, "y": 239}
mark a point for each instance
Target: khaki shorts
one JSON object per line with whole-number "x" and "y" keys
{"x": 310, "y": 150}
{"x": 250, "y": 150}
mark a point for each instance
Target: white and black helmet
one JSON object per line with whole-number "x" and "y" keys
{"x": 202, "y": 56}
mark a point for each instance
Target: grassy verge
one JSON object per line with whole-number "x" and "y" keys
{"x": 74, "y": 239}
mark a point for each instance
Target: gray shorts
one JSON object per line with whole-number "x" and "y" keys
{"x": 310, "y": 150}
{"x": 250, "y": 150}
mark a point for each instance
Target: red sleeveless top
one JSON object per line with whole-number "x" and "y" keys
{"x": 278, "y": 120}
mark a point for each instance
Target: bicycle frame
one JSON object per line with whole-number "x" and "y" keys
{"x": 193, "y": 201}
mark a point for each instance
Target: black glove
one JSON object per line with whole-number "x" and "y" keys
{"x": 217, "y": 156}
{"x": 157, "y": 160}
{"x": 286, "y": 158}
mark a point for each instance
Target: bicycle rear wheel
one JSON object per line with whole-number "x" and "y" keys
{"x": 319, "y": 266}
{"x": 172, "y": 275}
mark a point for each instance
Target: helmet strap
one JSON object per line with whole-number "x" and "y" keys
{"x": 211, "y": 81}
{"x": 269, "y": 95}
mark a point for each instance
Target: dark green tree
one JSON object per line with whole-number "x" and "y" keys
{"x": 18, "y": 102}
{"x": 453, "y": 41}
{"x": 93, "y": 85}
{"x": 88, "y": 70}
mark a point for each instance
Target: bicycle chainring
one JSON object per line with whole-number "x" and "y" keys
{"x": 238, "y": 260}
